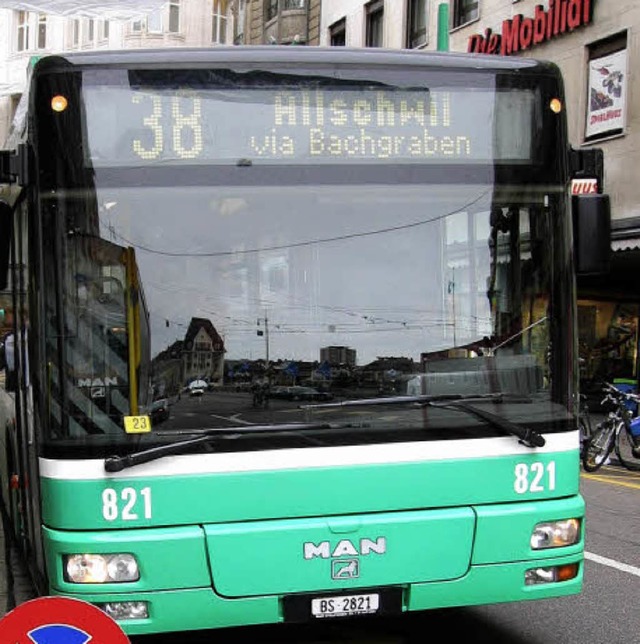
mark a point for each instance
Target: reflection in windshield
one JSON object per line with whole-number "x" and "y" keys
{"x": 263, "y": 300}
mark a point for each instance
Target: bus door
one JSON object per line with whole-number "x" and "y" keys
{"x": 19, "y": 442}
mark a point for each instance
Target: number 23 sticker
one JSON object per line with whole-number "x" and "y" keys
{"x": 137, "y": 424}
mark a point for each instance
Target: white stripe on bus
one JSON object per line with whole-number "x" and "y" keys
{"x": 296, "y": 459}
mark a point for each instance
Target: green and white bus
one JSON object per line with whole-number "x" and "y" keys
{"x": 385, "y": 239}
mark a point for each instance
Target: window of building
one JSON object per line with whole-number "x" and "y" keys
{"x": 89, "y": 32}
{"x": 42, "y": 31}
{"x": 154, "y": 22}
{"x": 75, "y": 33}
{"x": 104, "y": 34}
{"x": 136, "y": 26}
{"x": 174, "y": 17}
{"x": 23, "y": 30}
{"x": 219, "y": 22}
{"x": 464, "y": 11}
{"x": 375, "y": 15}
{"x": 416, "y": 23}
{"x": 607, "y": 82}
{"x": 294, "y": 4}
{"x": 338, "y": 33}
{"x": 271, "y": 9}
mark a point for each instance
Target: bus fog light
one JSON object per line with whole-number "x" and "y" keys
{"x": 126, "y": 610}
{"x": 555, "y": 534}
{"x": 550, "y": 575}
{"x": 100, "y": 569}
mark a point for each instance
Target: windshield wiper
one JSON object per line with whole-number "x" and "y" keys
{"x": 422, "y": 399}
{"x": 119, "y": 463}
{"x": 529, "y": 437}
{"x": 457, "y": 402}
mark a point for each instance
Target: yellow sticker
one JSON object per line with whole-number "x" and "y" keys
{"x": 137, "y": 424}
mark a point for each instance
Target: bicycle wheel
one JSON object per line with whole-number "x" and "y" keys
{"x": 624, "y": 450}
{"x": 600, "y": 446}
{"x": 585, "y": 436}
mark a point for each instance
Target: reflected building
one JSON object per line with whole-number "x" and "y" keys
{"x": 199, "y": 356}
{"x": 338, "y": 355}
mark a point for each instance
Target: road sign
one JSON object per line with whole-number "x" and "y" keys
{"x": 60, "y": 620}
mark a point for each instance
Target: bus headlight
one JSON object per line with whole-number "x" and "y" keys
{"x": 100, "y": 569}
{"x": 555, "y": 534}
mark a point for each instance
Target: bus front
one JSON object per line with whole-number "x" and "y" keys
{"x": 380, "y": 244}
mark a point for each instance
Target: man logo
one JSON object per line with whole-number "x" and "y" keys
{"x": 345, "y": 569}
{"x": 343, "y": 548}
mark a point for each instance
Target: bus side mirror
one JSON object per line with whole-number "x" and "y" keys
{"x": 6, "y": 219}
{"x": 591, "y": 233}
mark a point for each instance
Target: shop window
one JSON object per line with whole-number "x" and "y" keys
{"x": 464, "y": 11}
{"x": 338, "y": 33}
{"x": 375, "y": 16}
{"x": 608, "y": 343}
{"x": 416, "y": 24}
{"x": 607, "y": 81}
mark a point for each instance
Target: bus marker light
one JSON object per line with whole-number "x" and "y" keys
{"x": 555, "y": 534}
{"x": 550, "y": 575}
{"x": 126, "y": 610}
{"x": 555, "y": 104}
{"x": 100, "y": 569}
{"x": 59, "y": 103}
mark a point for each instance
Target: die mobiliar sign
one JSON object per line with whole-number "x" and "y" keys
{"x": 520, "y": 33}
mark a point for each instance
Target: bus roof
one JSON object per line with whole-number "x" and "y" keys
{"x": 282, "y": 54}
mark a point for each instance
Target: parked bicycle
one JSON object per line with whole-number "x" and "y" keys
{"x": 619, "y": 430}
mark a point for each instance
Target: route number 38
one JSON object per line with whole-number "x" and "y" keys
{"x": 126, "y": 505}
{"x": 535, "y": 477}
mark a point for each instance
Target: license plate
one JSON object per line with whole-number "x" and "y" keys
{"x": 345, "y": 605}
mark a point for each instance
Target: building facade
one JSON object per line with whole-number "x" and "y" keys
{"x": 177, "y": 23}
{"x": 594, "y": 43}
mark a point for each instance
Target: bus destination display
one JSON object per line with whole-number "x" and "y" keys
{"x": 140, "y": 126}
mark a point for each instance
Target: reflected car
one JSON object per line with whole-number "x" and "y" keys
{"x": 159, "y": 410}
{"x": 197, "y": 388}
{"x": 307, "y": 393}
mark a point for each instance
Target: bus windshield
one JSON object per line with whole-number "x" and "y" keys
{"x": 301, "y": 244}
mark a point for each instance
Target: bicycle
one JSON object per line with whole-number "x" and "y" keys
{"x": 619, "y": 430}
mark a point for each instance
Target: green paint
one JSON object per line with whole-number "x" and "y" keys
{"x": 220, "y": 550}
{"x": 331, "y": 491}
{"x": 443, "y": 26}
{"x": 230, "y": 575}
